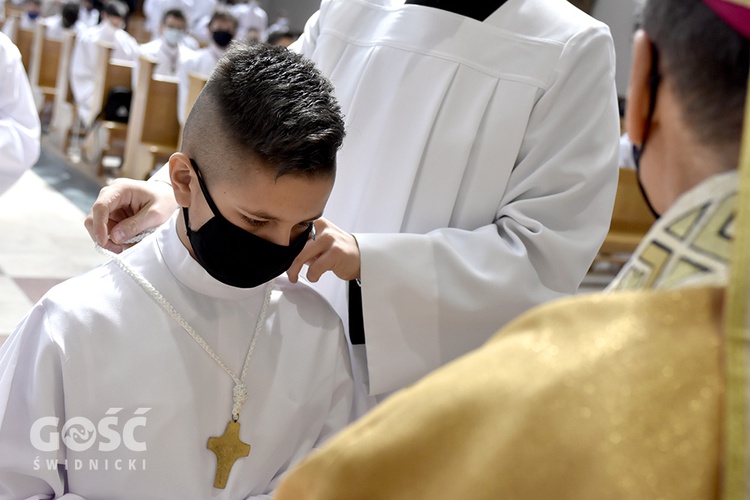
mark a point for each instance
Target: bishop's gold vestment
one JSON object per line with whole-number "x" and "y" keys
{"x": 614, "y": 395}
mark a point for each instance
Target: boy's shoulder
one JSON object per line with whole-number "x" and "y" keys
{"x": 95, "y": 285}
{"x": 306, "y": 298}
{"x": 104, "y": 283}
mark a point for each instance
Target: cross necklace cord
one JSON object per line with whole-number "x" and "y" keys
{"x": 228, "y": 447}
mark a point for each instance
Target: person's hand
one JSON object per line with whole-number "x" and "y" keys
{"x": 125, "y": 209}
{"x": 332, "y": 250}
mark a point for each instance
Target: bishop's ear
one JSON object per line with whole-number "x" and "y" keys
{"x": 180, "y": 174}
{"x": 639, "y": 91}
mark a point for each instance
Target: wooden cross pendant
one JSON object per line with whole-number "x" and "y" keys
{"x": 228, "y": 448}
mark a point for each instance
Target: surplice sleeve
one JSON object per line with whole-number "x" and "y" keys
{"x": 30, "y": 390}
{"x": 428, "y": 298}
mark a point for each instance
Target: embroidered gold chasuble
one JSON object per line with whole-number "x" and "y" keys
{"x": 615, "y": 395}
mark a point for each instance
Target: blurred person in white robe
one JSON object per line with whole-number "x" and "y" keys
{"x": 88, "y": 14}
{"x": 199, "y": 16}
{"x": 103, "y": 392}
{"x": 169, "y": 50}
{"x": 19, "y": 122}
{"x": 66, "y": 19}
{"x": 83, "y": 60}
{"x": 477, "y": 179}
{"x": 32, "y": 10}
{"x": 154, "y": 11}
{"x": 280, "y": 24}
{"x": 223, "y": 28}
{"x": 250, "y": 16}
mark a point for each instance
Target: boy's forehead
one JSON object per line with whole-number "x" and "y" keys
{"x": 259, "y": 192}
{"x": 173, "y": 21}
{"x": 222, "y": 23}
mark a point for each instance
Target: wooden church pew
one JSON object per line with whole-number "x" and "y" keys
{"x": 631, "y": 219}
{"x": 110, "y": 73}
{"x": 153, "y": 131}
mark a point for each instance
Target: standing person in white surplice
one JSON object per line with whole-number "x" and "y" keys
{"x": 83, "y": 61}
{"x": 476, "y": 181}
{"x": 103, "y": 392}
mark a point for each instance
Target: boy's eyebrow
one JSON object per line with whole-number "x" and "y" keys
{"x": 267, "y": 216}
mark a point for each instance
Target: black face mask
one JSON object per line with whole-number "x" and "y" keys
{"x": 222, "y": 38}
{"x": 234, "y": 256}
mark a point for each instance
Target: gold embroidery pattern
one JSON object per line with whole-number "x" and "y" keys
{"x": 692, "y": 246}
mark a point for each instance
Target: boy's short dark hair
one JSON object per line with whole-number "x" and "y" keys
{"x": 70, "y": 13}
{"x": 116, "y": 8}
{"x": 707, "y": 62}
{"x": 267, "y": 103}
{"x": 223, "y": 14}
{"x": 176, "y": 13}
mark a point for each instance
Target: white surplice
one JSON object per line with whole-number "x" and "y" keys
{"x": 98, "y": 349}
{"x": 154, "y": 11}
{"x": 168, "y": 58}
{"x": 478, "y": 172}
{"x": 19, "y": 122}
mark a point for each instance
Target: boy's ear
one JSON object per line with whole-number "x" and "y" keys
{"x": 180, "y": 174}
{"x": 639, "y": 91}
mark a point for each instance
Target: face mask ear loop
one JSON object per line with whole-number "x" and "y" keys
{"x": 654, "y": 80}
{"x": 204, "y": 189}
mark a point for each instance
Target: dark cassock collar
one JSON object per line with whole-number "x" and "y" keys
{"x": 475, "y": 9}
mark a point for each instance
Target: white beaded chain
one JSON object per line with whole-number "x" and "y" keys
{"x": 239, "y": 393}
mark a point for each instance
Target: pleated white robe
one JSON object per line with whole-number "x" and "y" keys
{"x": 479, "y": 169}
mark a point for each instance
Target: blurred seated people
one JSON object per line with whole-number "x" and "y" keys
{"x": 88, "y": 14}
{"x": 31, "y": 11}
{"x": 66, "y": 19}
{"x": 223, "y": 27}
{"x": 199, "y": 16}
{"x": 281, "y": 37}
{"x": 169, "y": 50}
{"x": 626, "y": 395}
{"x": 83, "y": 62}
{"x": 250, "y": 16}
{"x": 253, "y": 35}
{"x": 51, "y": 7}
{"x": 154, "y": 10}
{"x": 19, "y": 122}
{"x": 199, "y": 24}
{"x": 280, "y": 24}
